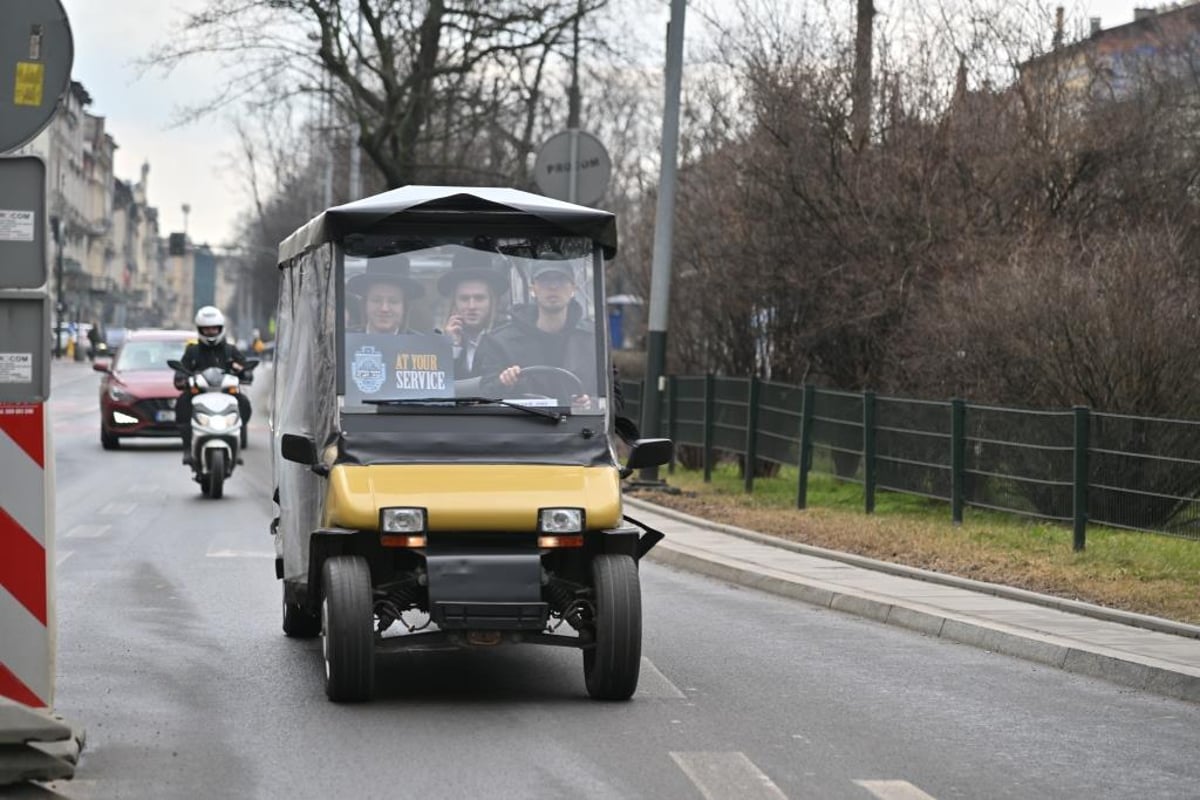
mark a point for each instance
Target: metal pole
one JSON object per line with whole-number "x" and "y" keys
{"x": 58, "y": 226}
{"x": 660, "y": 271}
{"x": 869, "y": 463}
{"x": 573, "y": 103}
{"x": 1079, "y": 495}
{"x": 805, "y": 455}
{"x": 958, "y": 458}
{"x": 326, "y": 128}
{"x": 355, "y": 154}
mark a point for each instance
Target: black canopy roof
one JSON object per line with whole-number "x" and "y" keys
{"x": 361, "y": 216}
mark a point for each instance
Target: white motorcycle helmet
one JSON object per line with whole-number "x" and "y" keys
{"x": 210, "y": 317}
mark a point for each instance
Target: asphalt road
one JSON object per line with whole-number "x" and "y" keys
{"x": 172, "y": 658}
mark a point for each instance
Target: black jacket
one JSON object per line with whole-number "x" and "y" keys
{"x": 200, "y": 356}
{"x": 520, "y": 342}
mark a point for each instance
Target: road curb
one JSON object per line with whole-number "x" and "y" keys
{"x": 1146, "y": 674}
{"x": 1046, "y": 650}
{"x": 1145, "y": 621}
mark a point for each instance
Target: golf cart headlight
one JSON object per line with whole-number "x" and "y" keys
{"x": 402, "y": 520}
{"x": 560, "y": 520}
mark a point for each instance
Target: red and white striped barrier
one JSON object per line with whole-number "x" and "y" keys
{"x": 26, "y": 588}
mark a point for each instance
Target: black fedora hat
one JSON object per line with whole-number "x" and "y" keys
{"x": 472, "y": 265}
{"x": 388, "y": 269}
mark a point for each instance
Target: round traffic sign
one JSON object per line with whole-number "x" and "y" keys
{"x": 553, "y": 167}
{"x": 36, "y": 51}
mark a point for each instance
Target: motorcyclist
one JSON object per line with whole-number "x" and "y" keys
{"x": 211, "y": 350}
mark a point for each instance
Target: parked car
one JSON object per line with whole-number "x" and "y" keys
{"x": 137, "y": 392}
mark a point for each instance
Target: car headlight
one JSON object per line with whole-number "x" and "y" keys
{"x": 560, "y": 520}
{"x": 119, "y": 395}
{"x": 402, "y": 520}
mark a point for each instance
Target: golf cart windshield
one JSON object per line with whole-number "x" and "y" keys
{"x": 461, "y": 324}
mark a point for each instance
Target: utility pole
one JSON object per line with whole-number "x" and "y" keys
{"x": 664, "y": 219}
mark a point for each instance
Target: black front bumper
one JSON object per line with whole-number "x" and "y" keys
{"x": 470, "y": 590}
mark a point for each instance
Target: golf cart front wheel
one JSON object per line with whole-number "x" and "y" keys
{"x": 347, "y": 627}
{"x": 612, "y": 665}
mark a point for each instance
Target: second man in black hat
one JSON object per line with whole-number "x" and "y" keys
{"x": 474, "y": 290}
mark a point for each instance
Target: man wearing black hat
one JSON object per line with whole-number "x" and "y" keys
{"x": 387, "y": 292}
{"x": 549, "y": 332}
{"x": 474, "y": 290}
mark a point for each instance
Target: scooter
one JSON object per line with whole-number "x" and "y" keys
{"x": 216, "y": 424}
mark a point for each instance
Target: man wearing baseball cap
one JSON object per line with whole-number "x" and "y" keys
{"x": 550, "y": 332}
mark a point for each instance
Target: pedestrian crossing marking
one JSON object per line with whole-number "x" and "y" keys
{"x": 87, "y": 531}
{"x": 894, "y": 790}
{"x": 723, "y": 775}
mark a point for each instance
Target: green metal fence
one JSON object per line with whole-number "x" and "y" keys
{"x": 1072, "y": 466}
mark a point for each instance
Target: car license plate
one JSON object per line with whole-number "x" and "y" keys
{"x": 164, "y": 415}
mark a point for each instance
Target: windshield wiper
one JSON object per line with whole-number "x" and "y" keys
{"x": 536, "y": 411}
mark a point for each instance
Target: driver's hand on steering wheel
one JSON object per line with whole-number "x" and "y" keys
{"x": 509, "y": 376}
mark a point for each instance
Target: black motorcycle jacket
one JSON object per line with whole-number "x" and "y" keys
{"x": 200, "y": 356}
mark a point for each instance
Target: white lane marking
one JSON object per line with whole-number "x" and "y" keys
{"x": 894, "y": 790}
{"x": 118, "y": 508}
{"x": 63, "y": 556}
{"x": 657, "y": 685}
{"x": 723, "y": 775}
{"x": 87, "y": 531}
{"x": 227, "y": 553}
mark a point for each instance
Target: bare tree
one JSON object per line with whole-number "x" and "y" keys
{"x": 418, "y": 76}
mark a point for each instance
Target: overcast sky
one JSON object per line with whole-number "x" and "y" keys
{"x": 190, "y": 164}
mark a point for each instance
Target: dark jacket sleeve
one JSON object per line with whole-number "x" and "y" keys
{"x": 232, "y": 354}
{"x": 188, "y": 360}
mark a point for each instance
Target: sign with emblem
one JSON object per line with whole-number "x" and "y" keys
{"x": 398, "y": 367}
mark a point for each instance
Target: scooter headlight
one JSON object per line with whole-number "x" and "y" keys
{"x": 202, "y": 418}
{"x": 218, "y": 422}
{"x": 560, "y": 520}
{"x": 402, "y": 520}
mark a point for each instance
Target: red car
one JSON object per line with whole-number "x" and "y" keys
{"x": 137, "y": 392}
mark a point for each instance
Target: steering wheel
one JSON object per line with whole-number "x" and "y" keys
{"x": 545, "y": 381}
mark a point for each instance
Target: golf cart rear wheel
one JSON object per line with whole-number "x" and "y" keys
{"x": 611, "y": 668}
{"x": 347, "y": 625}
{"x": 299, "y": 623}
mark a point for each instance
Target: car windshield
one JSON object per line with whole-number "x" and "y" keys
{"x": 138, "y": 356}
{"x": 510, "y": 319}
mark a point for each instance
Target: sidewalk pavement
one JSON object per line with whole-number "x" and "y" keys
{"x": 1148, "y": 653}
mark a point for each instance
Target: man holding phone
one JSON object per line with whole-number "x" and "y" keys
{"x": 474, "y": 290}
